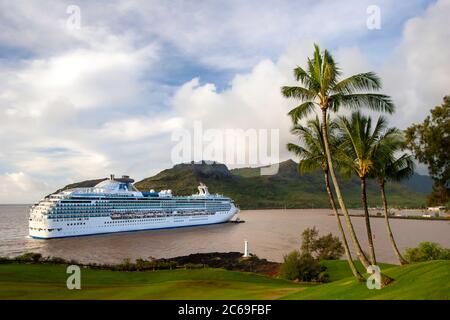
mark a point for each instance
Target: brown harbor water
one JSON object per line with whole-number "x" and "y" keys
{"x": 270, "y": 233}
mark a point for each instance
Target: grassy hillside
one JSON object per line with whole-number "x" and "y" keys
{"x": 250, "y": 190}
{"x": 421, "y": 281}
{"x": 338, "y": 269}
{"x": 427, "y": 280}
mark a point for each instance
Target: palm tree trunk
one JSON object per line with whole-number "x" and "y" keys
{"x": 348, "y": 221}
{"x": 341, "y": 229}
{"x": 367, "y": 220}
{"x": 388, "y": 226}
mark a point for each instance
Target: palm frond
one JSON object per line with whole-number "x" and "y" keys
{"x": 378, "y": 130}
{"x": 401, "y": 168}
{"x": 303, "y": 77}
{"x": 358, "y": 82}
{"x": 298, "y": 93}
{"x": 373, "y": 101}
{"x": 310, "y": 164}
{"x": 301, "y": 111}
{"x": 311, "y": 151}
{"x": 298, "y": 150}
{"x": 329, "y": 73}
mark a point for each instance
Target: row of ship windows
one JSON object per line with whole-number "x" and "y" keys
{"x": 76, "y": 224}
{"x": 134, "y": 203}
{"x": 61, "y": 215}
{"x": 150, "y": 205}
{"x": 134, "y": 222}
{"x": 107, "y": 212}
{"x": 94, "y": 209}
{"x": 56, "y": 211}
{"x": 63, "y": 211}
{"x": 118, "y": 221}
{"x": 75, "y": 216}
{"x": 106, "y": 203}
{"x": 136, "y": 206}
{"x": 44, "y": 229}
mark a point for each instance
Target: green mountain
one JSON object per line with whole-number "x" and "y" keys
{"x": 286, "y": 189}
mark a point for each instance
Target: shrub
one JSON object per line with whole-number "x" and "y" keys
{"x": 4, "y": 260}
{"x": 126, "y": 265}
{"x": 302, "y": 267}
{"x": 309, "y": 238}
{"x": 29, "y": 257}
{"x": 323, "y": 277}
{"x": 426, "y": 251}
{"x": 140, "y": 264}
{"x": 326, "y": 247}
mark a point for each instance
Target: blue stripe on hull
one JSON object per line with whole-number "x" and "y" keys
{"x": 93, "y": 234}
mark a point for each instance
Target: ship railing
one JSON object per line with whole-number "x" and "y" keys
{"x": 131, "y": 215}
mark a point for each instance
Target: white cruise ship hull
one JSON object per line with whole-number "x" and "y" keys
{"x": 48, "y": 228}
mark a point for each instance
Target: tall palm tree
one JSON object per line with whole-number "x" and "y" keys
{"x": 312, "y": 157}
{"x": 359, "y": 147}
{"x": 322, "y": 87}
{"x": 389, "y": 167}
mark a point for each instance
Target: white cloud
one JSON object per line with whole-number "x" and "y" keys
{"x": 133, "y": 129}
{"x": 252, "y": 101}
{"x": 16, "y": 186}
{"x": 64, "y": 95}
{"x": 417, "y": 75}
{"x": 255, "y": 95}
{"x": 85, "y": 78}
{"x": 80, "y": 105}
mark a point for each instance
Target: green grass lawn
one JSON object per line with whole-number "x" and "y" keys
{"x": 339, "y": 269}
{"x": 428, "y": 280}
{"x": 49, "y": 282}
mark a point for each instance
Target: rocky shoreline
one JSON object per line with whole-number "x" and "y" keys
{"x": 229, "y": 261}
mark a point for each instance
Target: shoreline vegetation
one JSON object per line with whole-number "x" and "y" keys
{"x": 232, "y": 261}
{"x": 430, "y": 218}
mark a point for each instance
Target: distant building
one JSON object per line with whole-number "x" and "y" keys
{"x": 439, "y": 208}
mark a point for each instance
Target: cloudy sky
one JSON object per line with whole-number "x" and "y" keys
{"x": 80, "y": 103}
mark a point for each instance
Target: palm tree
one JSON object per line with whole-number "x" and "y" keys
{"x": 392, "y": 168}
{"x": 359, "y": 147}
{"x": 312, "y": 155}
{"x": 322, "y": 86}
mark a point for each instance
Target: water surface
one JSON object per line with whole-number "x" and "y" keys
{"x": 271, "y": 234}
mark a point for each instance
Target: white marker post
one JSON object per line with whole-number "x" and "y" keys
{"x": 246, "y": 255}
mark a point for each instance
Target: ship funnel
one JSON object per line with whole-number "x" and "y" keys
{"x": 111, "y": 177}
{"x": 203, "y": 189}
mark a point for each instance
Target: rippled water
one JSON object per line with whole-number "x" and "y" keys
{"x": 271, "y": 234}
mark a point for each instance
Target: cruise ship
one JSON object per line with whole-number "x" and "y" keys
{"x": 115, "y": 205}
